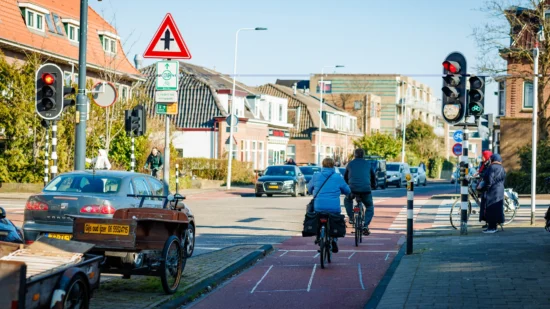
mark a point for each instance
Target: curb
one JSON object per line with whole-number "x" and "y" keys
{"x": 444, "y": 196}
{"x": 229, "y": 271}
{"x": 381, "y": 288}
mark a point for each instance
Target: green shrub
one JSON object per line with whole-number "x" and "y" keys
{"x": 216, "y": 169}
{"x": 521, "y": 182}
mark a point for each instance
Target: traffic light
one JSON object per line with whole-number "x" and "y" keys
{"x": 68, "y": 101}
{"x": 135, "y": 121}
{"x": 49, "y": 91}
{"x": 453, "y": 106}
{"x": 476, "y": 95}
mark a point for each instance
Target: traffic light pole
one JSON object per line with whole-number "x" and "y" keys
{"x": 166, "y": 172}
{"x": 133, "y": 158}
{"x": 46, "y": 156}
{"x": 534, "y": 137}
{"x": 81, "y": 104}
{"x": 54, "y": 148}
{"x": 464, "y": 194}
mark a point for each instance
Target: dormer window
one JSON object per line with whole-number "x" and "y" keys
{"x": 33, "y": 15}
{"x": 109, "y": 41}
{"x": 72, "y": 28}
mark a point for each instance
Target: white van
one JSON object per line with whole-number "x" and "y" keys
{"x": 396, "y": 174}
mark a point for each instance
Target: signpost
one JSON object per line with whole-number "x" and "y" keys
{"x": 167, "y": 43}
{"x": 457, "y": 136}
{"x": 457, "y": 149}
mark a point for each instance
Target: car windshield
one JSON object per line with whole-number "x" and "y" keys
{"x": 280, "y": 171}
{"x": 309, "y": 170}
{"x": 414, "y": 170}
{"x": 84, "y": 184}
{"x": 393, "y": 167}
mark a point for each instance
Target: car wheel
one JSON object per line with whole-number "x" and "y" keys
{"x": 258, "y": 195}
{"x": 304, "y": 191}
{"x": 398, "y": 184}
{"x": 295, "y": 191}
{"x": 189, "y": 244}
{"x": 269, "y": 195}
{"x": 425, "y": 182}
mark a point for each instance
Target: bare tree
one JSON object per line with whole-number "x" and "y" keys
{"x": 509, "y": 36}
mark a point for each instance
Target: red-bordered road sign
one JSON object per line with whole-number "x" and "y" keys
{"x": 167, "y": 42}
{"x": 457, "y": 149}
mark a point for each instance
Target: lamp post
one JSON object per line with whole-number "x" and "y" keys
{"x": 322, "y": 87}
{"x": 403, "y": 119}
{"x": 536, "y": 52}
{"x": 232, "y": 115}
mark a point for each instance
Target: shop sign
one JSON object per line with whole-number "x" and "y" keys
{"x": 279, "y": 133}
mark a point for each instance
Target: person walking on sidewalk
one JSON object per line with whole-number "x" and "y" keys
{"x": 290, "y": 161}
{"x": 493, "y": 183}
{"x": 485, "y": 157}
{"x": 328, "y": 198}
{"x": 154, "y": 162}
{"x": 358, "y": 176}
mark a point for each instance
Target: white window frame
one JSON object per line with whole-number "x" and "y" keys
{"x": 67, "y": 77}
{"x": 75, "y": 32}
{"x": 32, "y": 23}
{"x": 261, "y": 155}
{"x": 523, "y": 106}
{"x": 121, "y": 91}
{"x": 291, "y": 154}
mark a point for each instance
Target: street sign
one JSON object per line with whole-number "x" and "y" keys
{"x": 104, "y": 94}
{"x": 457, "y": 149}
{"x": 167, "y": 109}
{"x": 166, "y": 96}
{"x": 457, "y": 136}
{"x": 167, "y": 75}
{"x": 167, "y": 42}
{"x": 230, "y": 120}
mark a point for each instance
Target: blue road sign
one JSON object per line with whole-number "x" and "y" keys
{"x": 458, "y": 136}
{"x": 457, "y": 149}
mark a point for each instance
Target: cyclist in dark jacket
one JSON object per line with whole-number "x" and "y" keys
{"x": 358, "y": 176}
{"x": 154, "y": 162}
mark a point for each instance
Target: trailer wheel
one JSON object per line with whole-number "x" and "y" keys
{"x": 171, "y": 265}
{"x": 78, "y": 293}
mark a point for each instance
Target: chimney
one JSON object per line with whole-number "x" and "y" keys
{"x": 138, "y": 61}
{"x": 294, "y": 86}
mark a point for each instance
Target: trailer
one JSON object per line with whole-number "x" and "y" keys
{"x": 49, "y": 273}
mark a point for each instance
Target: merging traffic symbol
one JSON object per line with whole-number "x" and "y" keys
{"x": 167, "y": 42}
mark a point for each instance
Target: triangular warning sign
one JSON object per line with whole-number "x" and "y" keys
{"x": 167, "y": 42}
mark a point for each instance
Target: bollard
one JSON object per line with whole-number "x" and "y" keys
{"x": 410, "y": 212}
{"x": 133, "y": 156}
{"x": 177, "y": 177}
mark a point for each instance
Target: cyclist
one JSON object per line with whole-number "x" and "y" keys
{"x": 358, "y": 176}
{"x": 154, "y": 162}
{"x": 328, "y": 198}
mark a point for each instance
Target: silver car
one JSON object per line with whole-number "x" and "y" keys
{"x": 98, "y": 193}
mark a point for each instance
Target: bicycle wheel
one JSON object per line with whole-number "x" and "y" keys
{"x": 357, "y": 230}
{"x": 456, "y": 210}
{"x": 510, "y": 210}
{"x": 328, "y": 246}
{"x": 361, "y": 222}
{"x": 323, "y": 247}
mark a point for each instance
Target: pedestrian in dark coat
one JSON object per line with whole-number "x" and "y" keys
{"x": 493, "y": 184}
{"x": 486, "y": 161}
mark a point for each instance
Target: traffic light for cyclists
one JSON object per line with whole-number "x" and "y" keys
{"x": 135, "y": 121}
{"x": 476, "y": 95}
{"x": 453, "y": 106}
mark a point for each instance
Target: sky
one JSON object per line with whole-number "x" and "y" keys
{"x": 366, "y": 36}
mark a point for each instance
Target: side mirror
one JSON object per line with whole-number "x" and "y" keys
{"x": 2, "y": 213}
{"x": 170, "y": 197}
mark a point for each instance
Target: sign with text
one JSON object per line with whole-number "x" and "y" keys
{"x": 167, "y": 75}
{"x": 167, "y": 109}
{"x": 166, "y": 96}
{"x": 279, "y": 133}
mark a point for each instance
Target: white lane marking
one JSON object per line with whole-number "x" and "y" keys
{"x": 360, "y": 276}
{"x": 286, "y": 251}
{"x": 258, "y": 283}
{"x": 317, "y": 255}
{"x": 387, "y": 256}
{"x": 358, "y": 251}
{"x": 351, "y": 255}
{"x": 207, "y": 248}
{"x": 311, "y": 278}
{"x": 299, "y": 290}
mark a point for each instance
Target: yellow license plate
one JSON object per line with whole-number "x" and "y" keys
{"x": 60, "y": 236}
{"x": 273, "y": 187}
{"x": 111, "y": 229}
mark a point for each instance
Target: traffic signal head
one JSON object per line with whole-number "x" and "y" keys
{"x": 476, "y": 95}
{"x": 49, "y": 91}
{"x": 135, "y": 121}
{"x": 454, "y": 88}
{"x": 68, "y": 101}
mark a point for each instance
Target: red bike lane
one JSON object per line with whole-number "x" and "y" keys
{"x": 291, "y": 277}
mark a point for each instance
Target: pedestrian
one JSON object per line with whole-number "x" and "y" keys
{"x": 485, "y": 158}
{"x": 359, "y": 175}
{"x": 493, "y": 184}
{"x": 290, "y": 161}
{"x": 101, "y": 162}
{"x": 327, "y": 187}
{"x": 154, "y": 162}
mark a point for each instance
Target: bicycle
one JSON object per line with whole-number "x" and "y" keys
{"x": 324, "y": 239}
{"x": 511, "y": 206}
{"x": 359, "y": 219}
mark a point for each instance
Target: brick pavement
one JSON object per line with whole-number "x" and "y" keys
{"x": 509, "y": 269}
{"x": 146, "y": 292}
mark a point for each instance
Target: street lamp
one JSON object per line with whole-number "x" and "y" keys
{"x": 233, "y": 118}
{"x": 403, "y": 120}
{"x": 322, "y": 86}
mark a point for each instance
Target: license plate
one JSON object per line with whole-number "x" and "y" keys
{"x": 273, "y": 187}
{"x": 59, "y": 236}
{"x": 111, "y": 229}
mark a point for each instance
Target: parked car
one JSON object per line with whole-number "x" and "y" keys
{"x": 419, "y": 175}
{"x": 281, "y": 179}
{"x": 90, "y": 193}
{"x": 379, "y": 167}
{"x": 308, "y": 171}
{"x": 396, "y": 174}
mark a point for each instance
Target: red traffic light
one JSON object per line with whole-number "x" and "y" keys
{"x": 451, "y": 66}
{"x": 48, "y": 78}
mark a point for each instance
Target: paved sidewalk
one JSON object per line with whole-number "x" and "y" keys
{"x": 509, "y": 269}
{"x": 146, "y": 292}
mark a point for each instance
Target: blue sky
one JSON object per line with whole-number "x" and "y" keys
{"x": 367, "y": 36}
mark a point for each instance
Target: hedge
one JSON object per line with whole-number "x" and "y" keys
{"x": 216, "y": 169}
{"x": 521, "y": 182}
